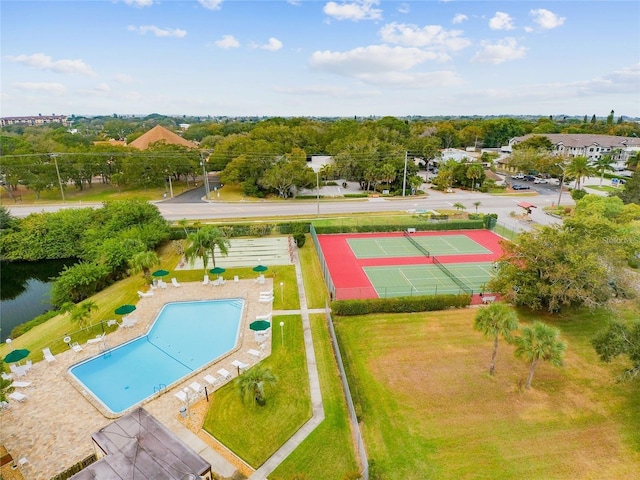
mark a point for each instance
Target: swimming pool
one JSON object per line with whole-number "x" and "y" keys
{"x": 184, "y": 337}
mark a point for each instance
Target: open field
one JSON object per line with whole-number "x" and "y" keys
{"x": 431, "y": 411}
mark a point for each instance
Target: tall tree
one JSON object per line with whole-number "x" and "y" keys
{"x": 579, "y": 168}
{"x": 603, "y": 164}
{"x": 495, "y": 321}
{"x": 198, "y": 247}
{"x": 252, "y": 384}
{"x": 81, "y": 314}
{"x": 474, "y": 172}
{"x": 620, "y": 339}
{"x": 539, "y": 342}
{"x": 215, "y": 238}
{"x": 144, "y": 262}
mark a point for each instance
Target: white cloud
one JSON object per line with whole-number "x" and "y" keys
{"x": 413, "y": 80}
{"x": 49, "y": 88}
{"x": 427, "y": 36}
{"x": 227, "y": 42}
{"x": 501, "y": 21}
{"x": 123, "y": 78}
{"x": 375, "y": 59}
{"x": 273, "y": 45}
{"x": 404, "y": 8}
{"x": 40, "y": 61}
{"x": 459, "y": 18}
{"x": 503, "y": 51}
{"x": 325, "y": 90}
{"x": 355, "y": 10}
{"x": 157, "y": 31}
{"x": 211, "y": 4}
{"x": 546, "y": 19}
{"x": 101, "y": 89}
{"x": 139, "y": 3}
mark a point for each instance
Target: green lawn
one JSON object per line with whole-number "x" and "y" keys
{"x": 431, "y": 411}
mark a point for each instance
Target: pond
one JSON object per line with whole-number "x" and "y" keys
{"x": 25, "y": 291}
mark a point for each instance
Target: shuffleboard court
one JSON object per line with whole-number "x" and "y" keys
{"x": 411, "y": 280}
{"x": 385, "y": 247}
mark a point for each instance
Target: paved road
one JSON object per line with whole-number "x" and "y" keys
{"x": 191, "y": 206}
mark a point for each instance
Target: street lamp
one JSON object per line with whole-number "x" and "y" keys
{"x": 404, "y": 178}
{"x": 282, "y": 292}
{"x": 186, "y": 396}
{"x": 205, "y": 178}
{"x": 282, "y": 332}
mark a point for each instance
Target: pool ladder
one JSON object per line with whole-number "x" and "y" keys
{"x": 160, "y": 388}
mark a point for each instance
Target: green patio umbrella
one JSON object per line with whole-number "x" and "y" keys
{"x": 16, "y": 355}
{"x": 160, "y": 273}
{"x": 260, "y": 268}
{"x": 124, "y": 309}
{"x": 259, "y": 325}
{"x": 217, "y": 270}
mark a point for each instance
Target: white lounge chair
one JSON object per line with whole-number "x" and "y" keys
{"x": 162, "y": 284}
{"x": 4, "y": 405}
{"x": 265, "y": 299}
{"x": 196, "y": 387}
{"x": 111, "y": 323}
{"x": 6, "y": 376}
{"x": 18, "y": 371}
{"x": 266, "y": 317}
{"x": 254, "y": 353}
{"x": 236, "y": 278}
{"x": 76, "y": 347}
{"x": 175, "y": 283}
{"x": 17, "y": 396}
{"x": 211, "y": 380}
{"x": 267, "y": 293}
{"x": 28, "y": 364}
{"x": 225, "y": 374}
{"x": 21, "y": 384}
{"x": 98, "y": 338}
{"x": 48, "y": 356}
{"x": 145, "y": 295}
{"x": 240, "y": 365}
{"x": 206, "y": 280}
{"x": 128, "y": 322}
{"x": 181, "y": 395}
{"x": 216, "y": 282}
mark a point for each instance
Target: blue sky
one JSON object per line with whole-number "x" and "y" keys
{"x": 319, "y": 58}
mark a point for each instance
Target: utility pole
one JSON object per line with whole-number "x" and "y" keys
{"x": 404, "y": 178}
{"x": 55, "y": 161}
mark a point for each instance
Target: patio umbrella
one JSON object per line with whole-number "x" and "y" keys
{"x": 16, "y": 355}
{"x": 124, "y": 309}
{"x": 217, "y": 270}
{"x": 160, "y": 273}
{"x": 259, "y": 325}
{"x": 260, "y": 268}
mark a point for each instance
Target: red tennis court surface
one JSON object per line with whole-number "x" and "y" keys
{"x": 350, "y": 280}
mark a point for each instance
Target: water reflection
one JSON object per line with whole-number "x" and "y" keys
{"x": 25, "y": 291}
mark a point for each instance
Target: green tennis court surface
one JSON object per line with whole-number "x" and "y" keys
{"x": 411, "y": 280}
{"x": 401, "y": 247}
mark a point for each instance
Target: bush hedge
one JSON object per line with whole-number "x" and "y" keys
{"x": 430, "y": 226}
{"x": 424, "y": 303}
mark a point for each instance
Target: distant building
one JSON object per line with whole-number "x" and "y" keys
{"x": 591, "y": 146}
{"x": 35, "y": 120}
{"x": 457, "y": 155}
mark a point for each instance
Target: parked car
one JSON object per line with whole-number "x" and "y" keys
{"x": 518, "y": 176}
{"x": 529, "y": 178}
{"x": 520, "y": 187}
{"x": 540, "y": 180}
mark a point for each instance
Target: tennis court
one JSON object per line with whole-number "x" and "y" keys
{"x": 429, "y": 279}
{"x": 404, "y": 247}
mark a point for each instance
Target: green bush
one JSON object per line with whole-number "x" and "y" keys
{"x": 300, "y": 239}
{"x": 424, "y": 303}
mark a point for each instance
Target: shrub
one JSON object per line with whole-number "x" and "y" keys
{"x": 300, "y": 239}
{"x": 424, "y": 303}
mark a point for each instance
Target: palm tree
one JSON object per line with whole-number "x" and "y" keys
{"x": 496, "y": 320}
{"x": 459, "y": 206}
{"x": 82, "y": 313}
{"x": 144, "y": 262}
{"x": 579, "y": 168}
{"x": 474, "y": 172}
{"x": 540, "y": 342}
{"x": 252, "y": 383}
{"x": 216, "y": 238}
{"x": 603, "y": 163}
{"x": 477, "y": 204}
{"x": 388, "y": 174}
{"x": 198, "y": 248}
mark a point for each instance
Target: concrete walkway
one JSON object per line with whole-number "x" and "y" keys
{"x": 314, "y": 384}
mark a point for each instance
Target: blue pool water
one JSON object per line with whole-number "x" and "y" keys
{"x": 184, "y": 337}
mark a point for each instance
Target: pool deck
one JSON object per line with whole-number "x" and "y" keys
{"x": 52, "y": 428}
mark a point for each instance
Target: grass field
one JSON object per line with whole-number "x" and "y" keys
{"x": 431, "y": 411}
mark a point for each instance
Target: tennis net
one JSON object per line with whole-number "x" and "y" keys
{"x": 424, "y": 251}
{"x": 465, "y": 288}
